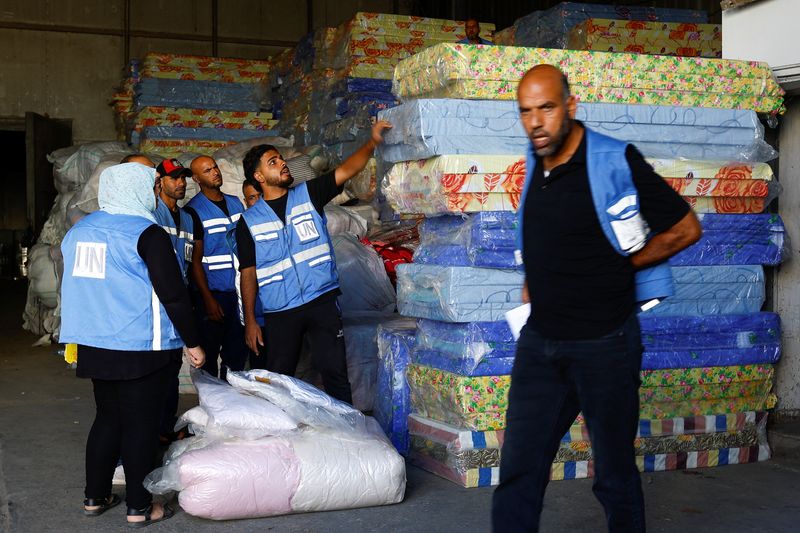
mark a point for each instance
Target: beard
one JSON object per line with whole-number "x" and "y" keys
{"x": 556, "y": 142}
{"x": 283, "y": 180}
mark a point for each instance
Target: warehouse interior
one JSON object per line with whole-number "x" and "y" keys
{"x": 706, "y": 90}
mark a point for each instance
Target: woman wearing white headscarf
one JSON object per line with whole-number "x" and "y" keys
{"x": 124, "y": 303}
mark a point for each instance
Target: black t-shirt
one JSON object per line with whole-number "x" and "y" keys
{"x": 155, "y": 249}
{"x": 197, "y": 223}
{"x": 580, "y": 286}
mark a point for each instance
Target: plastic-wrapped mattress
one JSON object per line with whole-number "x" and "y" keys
{"x": 714, "y": 290}
{"x": 457, "y": 294}
{"x": 714, "y": 340}
{"x": 478, "y": 72}
{"x": 736, "y": 240}
{"x": 426, "y": 128}
{"x": 392, "y": 402}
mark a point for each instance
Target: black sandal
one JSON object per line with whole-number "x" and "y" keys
{"x": 102, "y": 505}
{"x": 168, "y": 513}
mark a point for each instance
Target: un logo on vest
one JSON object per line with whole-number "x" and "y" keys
{"x": 306, "y": 230}
{"x": 90, "y": 260}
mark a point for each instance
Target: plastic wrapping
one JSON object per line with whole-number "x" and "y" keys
{"x": 43, "y": 275}
{"x": 362, "y": 277}
{"x": 483, "y": 240}
{"x": 472, "y": 349}
{"x": 342, "y": 220}
{"x": 392, "y": 399}
{"x": 360, "y": 338}
{"x": 193, "y": 67}
{"x": 479, "y": 403}
{"x": 72, "y": 166}
{"x": 427, "y": 128}
{"x": 647, "y": 37}
{"x": 479, "y": 72}
{"x": 714, "y": 340}
{"x": 549, "y": 28}
{"x": 299, "y": 400}
{"x": 432, "y": 188}
{"x": 750, "y": 239}
{"x": 173, "y": 148}
{"x": 229, "y": 412}
{"x": 475, "y": 403}
{"x": 457, "y": 294}
{"x": 337, "y": 458}
{"x": 211, "y": 134}
{"x": 714, "y": 290}
{"x": 201, "y": 94}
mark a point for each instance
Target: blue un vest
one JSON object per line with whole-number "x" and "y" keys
{"x": 182, "y": 238}
{"x": 107, "y": 299}
{"x": 616, "y": 202}
{"x": 217, "y": 256}
{"x": 294, "y": 262}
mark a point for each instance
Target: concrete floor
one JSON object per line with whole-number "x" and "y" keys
{"x": 46, "y": 412}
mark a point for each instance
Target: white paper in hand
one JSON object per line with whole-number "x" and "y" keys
{"x": 517, "y": 318}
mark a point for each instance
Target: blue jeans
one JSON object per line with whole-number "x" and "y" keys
{"x": 551, "y": 382}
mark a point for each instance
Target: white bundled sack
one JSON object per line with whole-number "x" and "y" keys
{"x": 342, "y": 220}
{"x": 232, "y": 412}
{"x": 342, "y": 463}
{"x": 73, "y": 165}
{"x": 43, "y": 275}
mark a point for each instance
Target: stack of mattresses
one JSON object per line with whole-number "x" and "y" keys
{"x": 457, "y": 149}
{"x": 183, "y": 103}
{"x": 551, "y": 28}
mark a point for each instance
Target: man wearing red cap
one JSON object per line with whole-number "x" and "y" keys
{"x": 179, "y": 226}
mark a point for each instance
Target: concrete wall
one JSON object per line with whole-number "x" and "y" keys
{"x": 787, "y": 279}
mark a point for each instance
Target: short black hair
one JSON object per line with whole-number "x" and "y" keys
{"x": 254, "y": 184}
{"x": 130, "y": 157}
{"x": 252, "y": 158}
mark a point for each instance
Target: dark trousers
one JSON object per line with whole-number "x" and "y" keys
{"x": 226, "y": 338}
{"x": 283, "y": 337}
{"x": 125, "y": 425}
{"x": 171, "y": 397}
{"x": 551, "y": 382}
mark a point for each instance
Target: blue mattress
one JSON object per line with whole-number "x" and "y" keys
{"x": 429, "y": 127}
{"x": 199, "y": 94}
{"x": 714, "y": 290}
{"x": 715, "y": 340}
{"x": 392, "y": 399}
{"x": 361, "y": 85}
{"x": 457, "y": 294}
{"x": 549, "y": 28}
{"x": 736, "y": 240}
{"x": 483, "y": 240}
{"x": 489, "y": 366}
{"x": 206, "y": 134}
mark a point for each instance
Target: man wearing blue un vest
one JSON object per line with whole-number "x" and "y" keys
{"x": 286, "y": 258}
{"x": 179, "y": 226}
{"x": 212, "y": 271}
{"x": 596, "y": 226}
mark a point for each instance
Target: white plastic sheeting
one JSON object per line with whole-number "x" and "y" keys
{"x": 335, "y": 459}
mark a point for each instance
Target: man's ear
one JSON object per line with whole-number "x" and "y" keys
{"x": 259, "y": 177}
{"x": 194, "y": 179}
{"x": 572, "y": 106}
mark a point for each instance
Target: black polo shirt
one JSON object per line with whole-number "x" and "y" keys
{"x": 580, "y": 287}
